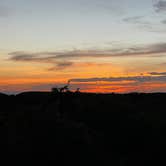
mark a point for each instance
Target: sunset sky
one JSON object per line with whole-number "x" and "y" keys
{"x": 99, "y": 45}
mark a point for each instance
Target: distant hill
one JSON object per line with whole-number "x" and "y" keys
{"x": 83, "y": 128}
{"x": 3, "y": 95}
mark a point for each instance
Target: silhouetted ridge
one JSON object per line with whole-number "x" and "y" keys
{"x": 3, "y": 95}
{"x": 33, "y": 94}
{"x": 83, "y": 128}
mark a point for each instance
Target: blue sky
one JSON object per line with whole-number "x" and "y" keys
{"x": 67, "y": 24}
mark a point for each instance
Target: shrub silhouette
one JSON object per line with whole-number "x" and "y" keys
{"x": 55, "y": 90}
{"x": 77, "y": 90}
{"x": 62, "y": 89}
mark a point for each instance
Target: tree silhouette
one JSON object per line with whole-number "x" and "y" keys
{"x": 77, "y": 90}
{"x": 65, "y": 88}
{"x": 55, "y": 90}
{"x": 61, "y": 89}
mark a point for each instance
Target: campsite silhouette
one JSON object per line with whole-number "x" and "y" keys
{"x": 65, "y": 127}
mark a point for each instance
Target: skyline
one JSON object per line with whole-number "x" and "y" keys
{"x": 102, "y": 46}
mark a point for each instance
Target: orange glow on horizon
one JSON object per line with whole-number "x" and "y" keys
{"x": 19, "y": 76}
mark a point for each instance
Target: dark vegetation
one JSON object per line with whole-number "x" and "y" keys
{"x": 46, "y": 128}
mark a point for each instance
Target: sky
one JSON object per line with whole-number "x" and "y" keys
{"x": 100, "y": 46}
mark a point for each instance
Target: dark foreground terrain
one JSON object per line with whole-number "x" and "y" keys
{"x": 38, "y": 128}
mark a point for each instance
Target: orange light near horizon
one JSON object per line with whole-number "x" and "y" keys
{"x": 125, "y": 88}
{"x": 26, "y": 76}
{"x": 21, "y": 81}
{"x": 88, "y": 87}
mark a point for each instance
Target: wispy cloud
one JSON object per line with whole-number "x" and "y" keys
{"x": 57, "y": 62}
{"x": 157, "y": 73}
{"x": 143, "y": 23}
{"x": 140, "y": 79}
{"x": 134, "y": 20}
{"x": 54, "y": 57}
{"x": 31, "y": 57}
{"x": 160, "y": 6}
{"x": 61, "y": 65}
{"x": 40, "y": 58}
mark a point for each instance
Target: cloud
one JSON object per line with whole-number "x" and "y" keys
{"x": 39, "y": 58}
{"x": 157, "y": 73}
{"x": 141, "y": 23}
{"x": 144, "y": 23}
{"x": 61, "y": 65}
{"x": 139, "y": 79}
{"x": 57, "y": 61}
{"x": 135, "y": 19}
{"x": 160, "y": 6}
{"x": 54, "y": 57}
{"x": 31, "y": 57}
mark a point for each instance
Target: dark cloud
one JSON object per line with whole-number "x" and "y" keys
{"x": 158, "y": 48}
{"x": 23, "y": 57}
{"x": 160, "y": 6}
{"x": 53, "y": 57}
{"x": 140, "y": 79}
{"x": 157, "y": 73}
{"x": 42, "y": 57}
{"x": 64, "y": 64}
{"x": 39, "y": 58}
{"x": 61, "y": 65}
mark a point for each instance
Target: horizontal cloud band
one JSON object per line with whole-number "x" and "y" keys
{"x": 157, "y": 73}
{"x": 51, "y": 57}
{"x": 114, "y": 79}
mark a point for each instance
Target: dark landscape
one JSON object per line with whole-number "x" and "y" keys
{"x": 83, "y": 128}
{"x": 83, "y": 82}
